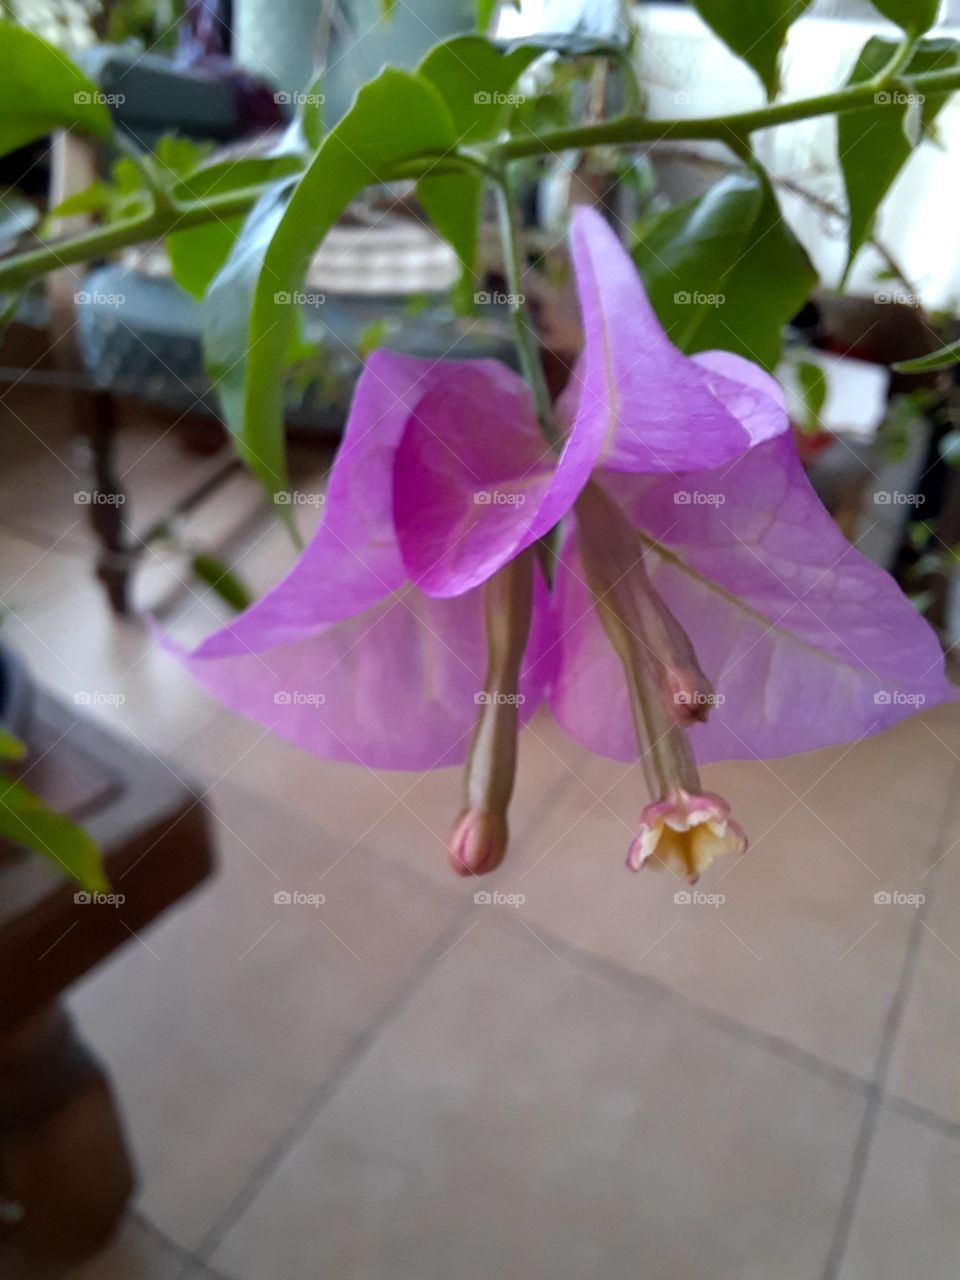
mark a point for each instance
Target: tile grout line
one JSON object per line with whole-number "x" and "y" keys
{"x": 613, "y": 971}
{"x": 269, "y": 1162}
{"x": 395, "y": 1004}
{"x": 876, "y": 1091}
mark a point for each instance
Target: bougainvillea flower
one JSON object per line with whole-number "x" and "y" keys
{"x": 345, "y": 657}
{"x": 703, "y": 596}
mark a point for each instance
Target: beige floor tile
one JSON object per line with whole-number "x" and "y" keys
{"x": 136, "y": 1253}
{"x": 907, "y": 1221}
{"x": 909, "y": 765}
{"x": 34, "y": 573}
{"x": 111, "y": 669}
{"x": 798, "y": 948}
{"x": 406, "y": 816}
{"x": 925, "y": 1068}
{"x": 523, "y": 1116}
{"x": 220, "y": 1024}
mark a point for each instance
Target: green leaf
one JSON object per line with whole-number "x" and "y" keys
{"x": 872, "y": 143}
{"x": 198, "y": 253}
{"x": 221, "y": 579}
{"x": 754, "y": 30}
{"x": 394, "y": 117}
{"x": 93, "y": 199}
{"x": 225, "y": 322}
{"x": 915, "y": 16}
{"x": 474, "y": 78}
{"x": 11, "y": 748}
{"x": 945, "y": 358}
{"x": 42, "y": 90}
{"x": 224, "y": 176}
{"x": 27, "y": 820}
{"x": 724, "y": 270}
{"x": 485, "y": 11}
{"x": 178, "y": 156}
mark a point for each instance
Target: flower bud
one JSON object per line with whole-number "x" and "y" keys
{"x": 478, "y": 842}
{"x": 479, "y": 839}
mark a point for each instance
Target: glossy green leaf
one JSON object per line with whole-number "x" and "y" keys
{"x": 226, "y": 322}
{"x": 28, "y": 821}
{"x": 42, "y": 90}
{"x": 394, "y": 117}
{"x": 177, "y": 156}
{"x": 754, "y": 30}
{"x": 724, "y": 270}
{"x": 198, "y": 253}
{"x": 945, "y": 358}
{"x": 222, "y": 580}
{"x": 873, "y": 143}
{"x": 475, "y": 79}
{"x": 225, "y": 176}
{"x": 916, "y": 16}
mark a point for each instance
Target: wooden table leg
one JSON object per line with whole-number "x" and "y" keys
{"x": 63, "y": 1159}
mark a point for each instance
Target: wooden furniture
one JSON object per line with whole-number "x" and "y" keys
{"x": 65, "y": 1172}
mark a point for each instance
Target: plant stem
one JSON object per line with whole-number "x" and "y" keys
{"x": 733, "y": 129}
{"x": 528, "y": 345}
{"x": 626, "y": 130}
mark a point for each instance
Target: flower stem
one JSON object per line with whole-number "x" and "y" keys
{"x": 627, "y": 130}
{"x": 528, "y": 344}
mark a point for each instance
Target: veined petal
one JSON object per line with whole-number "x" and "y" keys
{"x": 753, "y": 396}
{"x": 475, "y": 482}
{"x": 395, "y": 687}
{"x": 655, "y": 409}
{"x": 806, "y": 642}
{"x": 352, "y": 560}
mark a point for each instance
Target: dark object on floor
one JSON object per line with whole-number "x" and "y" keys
{"x": 65, "y": 1172}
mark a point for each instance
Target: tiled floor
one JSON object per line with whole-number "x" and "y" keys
{"x": 590, "y": 1079}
